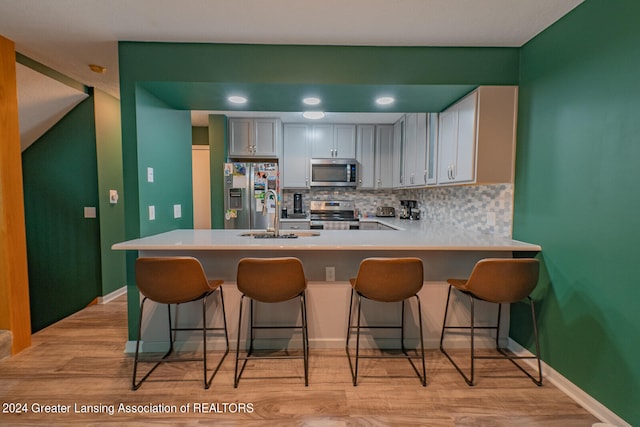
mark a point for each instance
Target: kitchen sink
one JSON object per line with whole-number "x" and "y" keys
{"x": 271, "y": 235}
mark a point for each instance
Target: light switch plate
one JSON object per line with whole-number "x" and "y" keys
{"x": 152, "y": 213}
{"x": 90, "y": 212}
{"x": 177, "y": 211}
{"x": 149, "y": 174}
{"x": 491, "y": 219}
{"x": 113, "y": 196}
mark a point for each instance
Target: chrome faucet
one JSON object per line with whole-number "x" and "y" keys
{"x": 276, "y": 222}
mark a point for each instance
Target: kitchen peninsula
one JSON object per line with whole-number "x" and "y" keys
{"x": 330, "y": 258}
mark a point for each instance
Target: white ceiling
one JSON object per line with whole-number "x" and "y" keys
{"x": 67, "y": 35}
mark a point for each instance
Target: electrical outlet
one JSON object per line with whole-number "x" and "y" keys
{"x": 330, "y": 274}
{"x": 177, "y": 211}
{"x": 152, "y": 213}
{"x": 491, "y": 219}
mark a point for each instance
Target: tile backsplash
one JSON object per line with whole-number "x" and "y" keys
{"x": 471, "y": 207}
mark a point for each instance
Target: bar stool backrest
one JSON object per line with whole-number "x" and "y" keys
{"x": 503, "y": 280}
{"x": 271, "y": 279}
{"x": 389, "y": 279}
{"x": 171, "y": 280}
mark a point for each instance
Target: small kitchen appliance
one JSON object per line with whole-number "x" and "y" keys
{"x": 408, "y": 209}
{"x": 297, "y": 203}
{"x": 385, "y": 211}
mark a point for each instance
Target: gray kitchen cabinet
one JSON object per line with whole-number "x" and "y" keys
{"x": 254, "y": 137}
{"x": 415, "y": 150}
{"x": 398, "y": 153}
{"x": 432, "y": 149}
{"x": 295, "y": 225}
{"x": 295, "y": 166}
{"x": 365, "y": 155}
{"x": 456, "y": 161}
{"x": 384, "y": 156}
{"x": 477, "y": 137}
{"x": 333, "y": 141}
{"x": 321, "y": 137}
{"x": 345, "y": 141}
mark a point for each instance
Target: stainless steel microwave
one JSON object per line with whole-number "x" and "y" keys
{"x": 334, "y": 172}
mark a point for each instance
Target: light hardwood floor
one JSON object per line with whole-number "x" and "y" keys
{"x": 79, "y": 363}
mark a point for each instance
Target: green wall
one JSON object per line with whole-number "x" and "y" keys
{"x": 164, "y": 144}
{"x": 162, "y": 141}
{"x": 63, "y": 248}
{"x": 109, "y": 158}
{"x": 576, "y": 195}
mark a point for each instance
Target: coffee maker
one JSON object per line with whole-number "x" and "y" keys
{"x": 409, "y": 209}
{"x": 297, "y": 203}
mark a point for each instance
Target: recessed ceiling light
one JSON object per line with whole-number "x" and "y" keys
{"x": 311, "y": 100}
{"x": 385, "y": 100}
{"x": 313, "y": 115}
{"x": 237, "y": 99}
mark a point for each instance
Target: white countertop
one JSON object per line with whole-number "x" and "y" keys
{"x": 409, "y": 235}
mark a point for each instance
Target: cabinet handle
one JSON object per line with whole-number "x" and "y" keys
{"x": 425, "y": 176}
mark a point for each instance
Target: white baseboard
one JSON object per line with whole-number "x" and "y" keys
{"x": 112, "y": 295}
{"x": 596, "y": 408}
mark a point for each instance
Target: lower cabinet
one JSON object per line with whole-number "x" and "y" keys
{"x": 295, "y": 225}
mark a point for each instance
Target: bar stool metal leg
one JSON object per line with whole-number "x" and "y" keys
{"x": 136, "y": 385}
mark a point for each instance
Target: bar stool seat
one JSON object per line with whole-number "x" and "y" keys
{"x": 500, "y": 281}
{"x": 177, "y": 280}
{"x": 387, "y": 280}
{"x": 271, "y": 280}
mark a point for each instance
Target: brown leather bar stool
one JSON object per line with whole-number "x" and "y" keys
{"x": 501, "y": 281}
{"x": 176, "y": 280}
{"x": 386, "y": 280}
{"x": 271, "y": 280}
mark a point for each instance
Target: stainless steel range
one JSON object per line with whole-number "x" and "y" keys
{"x": 333, "y": 215}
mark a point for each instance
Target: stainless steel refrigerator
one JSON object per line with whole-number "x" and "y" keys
{"x": 245, "y": 185}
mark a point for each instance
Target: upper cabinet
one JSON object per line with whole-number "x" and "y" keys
{"x": 365, "y": 155}
{"x": 415, "y": 156}
{"x": 398, "y": 153}
{"x": 477, "y": 137}
{"x": 295, "y": 159}
{"x": 384, "y": 157}
{"x": 333, "y": 141}
{"x": 254, "y": 137}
